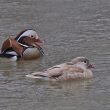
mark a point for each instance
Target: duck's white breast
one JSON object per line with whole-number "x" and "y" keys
{"x": 31, "y": 53}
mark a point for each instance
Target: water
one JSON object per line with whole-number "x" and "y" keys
{"x": 69, "y": 28}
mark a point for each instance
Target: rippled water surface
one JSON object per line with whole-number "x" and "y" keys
{"x": 69, "y": 28}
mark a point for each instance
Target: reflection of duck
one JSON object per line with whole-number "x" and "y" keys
{"x": 78, "y": 68}
{"x": 25, "y": 46}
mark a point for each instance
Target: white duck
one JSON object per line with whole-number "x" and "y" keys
{"x": 78, "y": 68}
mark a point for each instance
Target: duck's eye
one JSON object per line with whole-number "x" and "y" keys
{"x": 85, "y": 61}
{"x": 32, "y": 36}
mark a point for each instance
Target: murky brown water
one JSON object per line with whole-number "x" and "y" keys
{"x": 69, "y": 28}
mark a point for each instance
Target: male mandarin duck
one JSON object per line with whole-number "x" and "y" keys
{"x": 26, "y": 45}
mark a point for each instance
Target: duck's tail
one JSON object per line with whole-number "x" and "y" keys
{"x": 38, "y": 75}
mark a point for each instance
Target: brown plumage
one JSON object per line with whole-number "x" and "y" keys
{"x": 11, "y": 43}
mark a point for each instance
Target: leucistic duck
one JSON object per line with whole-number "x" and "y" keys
{"x": 26, "y": 45}
{"x": 78, "y": 68}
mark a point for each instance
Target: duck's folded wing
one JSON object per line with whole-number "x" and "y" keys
{"x": 62, "y": 72}
{"x": 49, "y": 74}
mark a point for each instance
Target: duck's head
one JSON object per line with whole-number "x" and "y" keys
{"x": 28, "y": 37}
{"x": 82, "y": 62}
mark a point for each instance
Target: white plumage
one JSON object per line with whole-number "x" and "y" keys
{"x": 78, "y": 68}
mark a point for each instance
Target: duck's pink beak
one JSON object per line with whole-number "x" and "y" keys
{"x": 38, "y": 40}
{"x": 90, "y": 66}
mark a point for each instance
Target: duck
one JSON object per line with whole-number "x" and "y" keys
{"x": 26, "y": 45}
{"x": 77, "y": 68}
